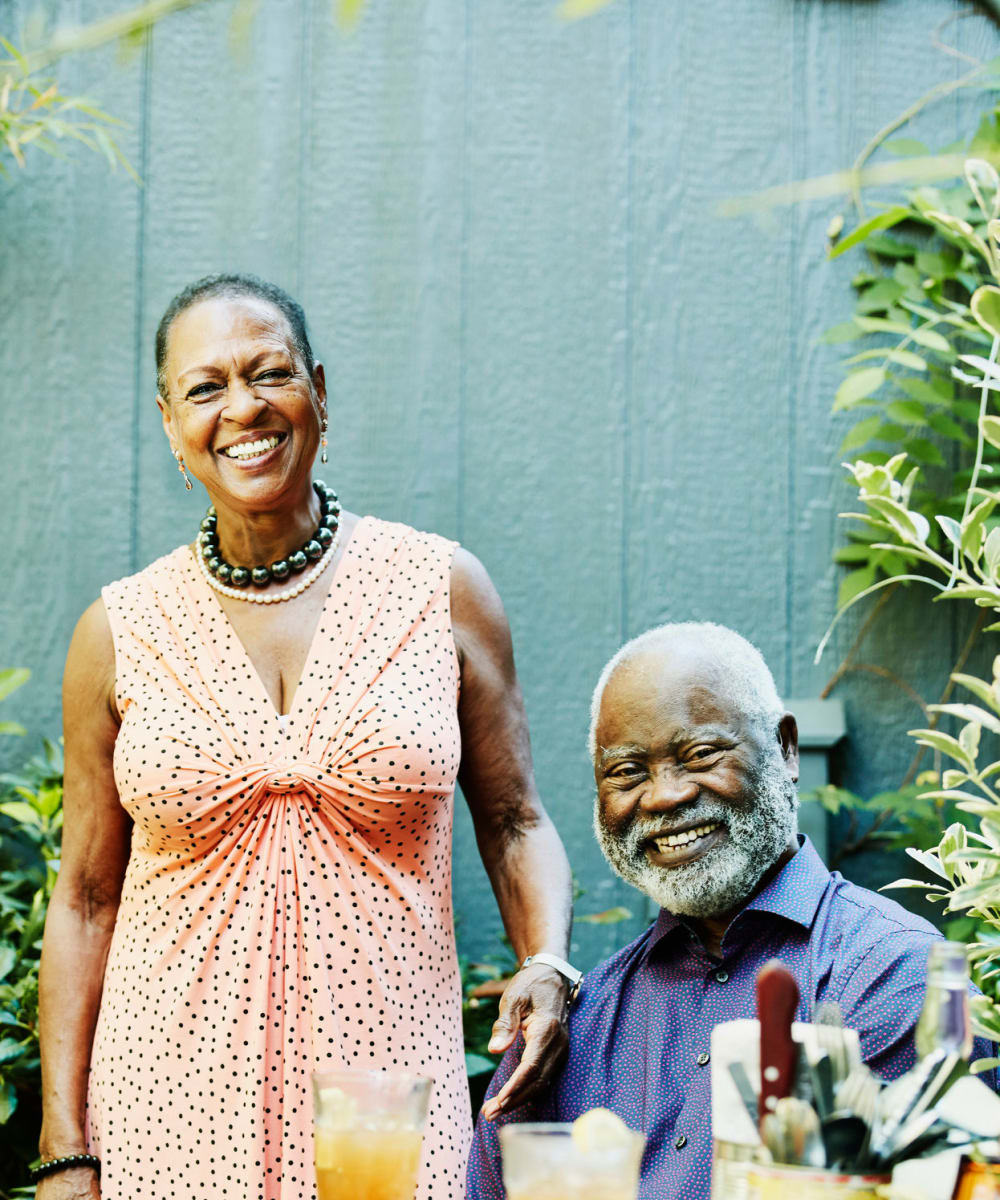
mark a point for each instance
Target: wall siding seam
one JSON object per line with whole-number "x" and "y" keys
{"x": 628, "y": 341}
{"x": 138, "y": 389}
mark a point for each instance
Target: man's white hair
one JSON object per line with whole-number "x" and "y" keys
{"x": 749, "y": 682}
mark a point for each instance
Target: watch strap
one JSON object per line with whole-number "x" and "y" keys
{"x": 565, "y": 969}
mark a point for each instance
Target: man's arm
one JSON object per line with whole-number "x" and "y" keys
{"x": 520, "y": 848}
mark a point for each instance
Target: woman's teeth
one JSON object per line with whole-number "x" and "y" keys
{"x": 251, "y": 449}
{"x": 673, "y": 840}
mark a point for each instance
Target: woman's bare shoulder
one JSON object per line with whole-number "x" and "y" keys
{"x": 90, "y": 663}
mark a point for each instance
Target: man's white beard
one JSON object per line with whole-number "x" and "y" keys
{"x": 724, "y": 876}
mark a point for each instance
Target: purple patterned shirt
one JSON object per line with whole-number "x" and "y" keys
{"x": 640, "y": 1030}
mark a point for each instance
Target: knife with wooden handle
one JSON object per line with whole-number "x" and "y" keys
{"x": 777, "y": 999}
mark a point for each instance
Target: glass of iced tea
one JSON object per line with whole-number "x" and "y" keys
{"x": 547, "y": 1162}
{"x": 368, "y": 1130}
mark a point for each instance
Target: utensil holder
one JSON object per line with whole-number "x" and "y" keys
{"x": 739, "y": 1174}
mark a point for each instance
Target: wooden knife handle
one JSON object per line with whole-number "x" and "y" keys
{"x": 777, "y": 999}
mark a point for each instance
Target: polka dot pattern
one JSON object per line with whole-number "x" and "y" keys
{"x": 287, "y": 903}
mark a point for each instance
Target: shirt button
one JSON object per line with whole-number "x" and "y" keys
{"x": 702, "y": 1058}
{"x": 681, "y": 1142}
{"x": 721, "y": 976}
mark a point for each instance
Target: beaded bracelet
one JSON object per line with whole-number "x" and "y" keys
{"x": 66, "y": 1163}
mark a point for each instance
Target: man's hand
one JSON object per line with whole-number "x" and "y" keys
{"x": 534, "y": 1004}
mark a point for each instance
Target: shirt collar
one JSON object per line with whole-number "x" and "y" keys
{"x": 794, "y": 893}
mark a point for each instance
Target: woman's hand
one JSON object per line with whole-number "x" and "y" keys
{"x": 520, "y": 848}
{"x": 78, "y": 1183}
{"x": 534, "y": 1003}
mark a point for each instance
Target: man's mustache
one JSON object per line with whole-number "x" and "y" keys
{"x": 646, "y": 829}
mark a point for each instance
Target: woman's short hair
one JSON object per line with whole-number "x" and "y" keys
{"x": 215, "y": 286}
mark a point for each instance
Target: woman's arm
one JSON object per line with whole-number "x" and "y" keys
{"x": 84, "y": 903}
{"x": 520, "y": 848}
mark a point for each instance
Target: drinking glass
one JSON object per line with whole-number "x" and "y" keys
{"x": 368, "y": 1132}
{"x": 543, "y": 1162}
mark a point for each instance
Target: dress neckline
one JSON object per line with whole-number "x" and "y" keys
{"x": 282, "y": 719}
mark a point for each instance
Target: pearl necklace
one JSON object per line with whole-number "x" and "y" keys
{"x": 271, "y": 597}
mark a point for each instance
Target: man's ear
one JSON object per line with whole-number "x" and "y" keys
{"x": 788, "y": 736}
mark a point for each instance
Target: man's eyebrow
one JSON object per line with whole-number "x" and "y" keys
{"x": 629, "y": 750}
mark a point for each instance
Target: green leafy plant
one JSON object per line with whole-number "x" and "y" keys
{"x": 957, "y": 554}
{"x": 930, "y": 254}
{"x": 30, "y": 828}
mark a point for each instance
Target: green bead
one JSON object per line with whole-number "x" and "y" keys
{"x": 312, "y": 550}
{"x": 224, "y": 572}
{"x": 298, "y": 561}
{"x": 207, "y": 551}
{"x": 324, "y": 536}
{"x": 261, "y": 576}
{"x": 280, "y": 569}
{"x": 240, "y": 577}
{"x": 214, "y": 564}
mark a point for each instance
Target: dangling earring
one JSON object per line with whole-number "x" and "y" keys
{"x": 180, "y": 467}
{"x": 322, "y": 439}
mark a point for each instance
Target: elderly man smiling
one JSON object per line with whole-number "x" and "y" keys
{"x": 696, "y": 762}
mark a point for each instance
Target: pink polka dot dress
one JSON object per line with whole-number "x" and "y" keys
{"x": 287, "y": 902}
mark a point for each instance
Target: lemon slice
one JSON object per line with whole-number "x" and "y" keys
{"x": 600, "y": 1129}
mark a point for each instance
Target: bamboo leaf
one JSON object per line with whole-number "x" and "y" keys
{"x": 984, "y": 184}
{"x": 884, "y": 220}
{"x": 934, "y": 739}
{"x": 907, "y": 412}
{"x": 985, "y": 306}
{"x": 854, "y": 583}
{"x": 979, "y": 688}
{"x": 991, "y": 552}
{"x": 991, "y": 430}
{"x": 969, "y": 712}
{"x": 858, "y": 386}
{"x": 932, "y": 340}
{"x": 11, "y": 678}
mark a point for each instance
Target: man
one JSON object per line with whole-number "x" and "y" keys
{"x": 696, "y": 763}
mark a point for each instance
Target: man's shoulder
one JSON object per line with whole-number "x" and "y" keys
{"x": 869, "y": 942}
{"x": 607, "y": 976}
{"x": 870, "y": 914}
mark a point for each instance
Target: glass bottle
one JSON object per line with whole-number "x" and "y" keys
{"x": 944, "y": 1020}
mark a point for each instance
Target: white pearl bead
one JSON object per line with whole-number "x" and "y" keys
{"x": 273, "y": 597}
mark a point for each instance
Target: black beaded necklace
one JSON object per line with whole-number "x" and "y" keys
{"x": 261, "y": 576}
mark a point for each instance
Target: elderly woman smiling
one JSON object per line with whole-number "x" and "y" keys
{"x": 263, "y": 733}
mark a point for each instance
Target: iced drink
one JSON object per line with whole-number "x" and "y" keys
{"x": 598, "y": 1160}
{"x": 368, "y": 1131}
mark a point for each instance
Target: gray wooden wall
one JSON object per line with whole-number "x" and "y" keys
{"x": 540, "y": 337}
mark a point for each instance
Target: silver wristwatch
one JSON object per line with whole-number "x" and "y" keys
{"x": 568, "y": 972}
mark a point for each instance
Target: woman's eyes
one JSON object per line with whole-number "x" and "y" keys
{"x": 274, "y": 375}
{"x": 202, "y": 390}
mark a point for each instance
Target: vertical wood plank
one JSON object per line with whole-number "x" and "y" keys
{"x": 546, "y": 308}
{"x": 67, "y": 346}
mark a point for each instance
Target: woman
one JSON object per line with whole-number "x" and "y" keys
{"x": 259, "y": 775}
